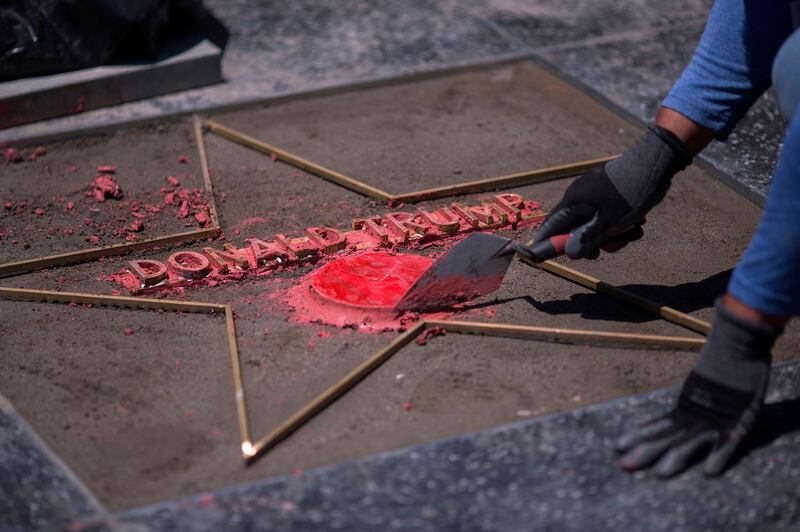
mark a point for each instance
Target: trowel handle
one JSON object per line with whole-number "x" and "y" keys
{"x": 551, "y": 248}
{"x": 546, "y": 249}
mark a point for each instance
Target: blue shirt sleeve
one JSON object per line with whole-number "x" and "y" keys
{"x": 731, "y": 67}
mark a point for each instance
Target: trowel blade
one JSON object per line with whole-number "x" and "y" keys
{"x": 472, "y": 268}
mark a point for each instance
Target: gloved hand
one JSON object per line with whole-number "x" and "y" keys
{"x": 605, "y": 207}
{"x": 718, "y": 404}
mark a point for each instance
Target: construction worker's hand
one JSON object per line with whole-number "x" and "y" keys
{"x": 718, "y": 404}
{"x": 605, "y": 207}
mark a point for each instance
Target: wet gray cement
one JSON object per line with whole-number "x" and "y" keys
{"x": 150, "y": 416}
{"x": 628, "y": 54}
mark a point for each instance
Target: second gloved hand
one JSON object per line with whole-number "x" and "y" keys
{"x": 718, "y": 404}
{"x": 605, "y": 207}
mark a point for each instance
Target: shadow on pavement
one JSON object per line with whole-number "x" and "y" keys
{"x": 686, "y": 297}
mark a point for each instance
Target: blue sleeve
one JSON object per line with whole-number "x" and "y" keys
{"x": 767, "y": 277}
{"x": 731, "y": 67}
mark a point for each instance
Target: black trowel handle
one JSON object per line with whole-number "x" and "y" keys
{"x": 546, "y": 249}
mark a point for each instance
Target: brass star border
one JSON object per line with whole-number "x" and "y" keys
{"x": 251, "y": 449}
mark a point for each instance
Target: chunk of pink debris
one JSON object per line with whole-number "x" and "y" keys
{"x": 183, "y": 159}
{"x": 183, "y": 211}
{"x": 202, "y": 218}
{"x": 39, "y": 211}
{"x": 174, "y": 181}
{"x": 12, "y": 155}
{"x": 429, "y": 333}
{"x": 105, "y": 186}
{"x": 106, "y": 169}
{"x": 37, "y": 152}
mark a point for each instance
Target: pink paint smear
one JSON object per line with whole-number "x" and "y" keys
{"x": 360, "y": 291}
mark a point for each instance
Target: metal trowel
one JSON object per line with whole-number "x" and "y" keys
{"x": 471, "y": 269}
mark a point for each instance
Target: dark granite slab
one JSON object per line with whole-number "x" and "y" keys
{"x": 749, "y": 155}
{"x": 37, "y": 491}
{"x": 552, "y": 24}
{"x": 633, "y": 73}
{"x": 554, "y": 473}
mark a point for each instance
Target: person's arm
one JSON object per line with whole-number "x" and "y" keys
{"x": 730, "y": 69}
{"x": 741, "y": 309}
{"x": 694, "y": 136}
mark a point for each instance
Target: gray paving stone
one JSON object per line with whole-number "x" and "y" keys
{"x": 554, "y": 473}
{"x": 634, "y": 73}
{"x": 43, "y": 97}
{"x": 37, "y": 491}
{"x": 550, "y": 24}
{"x": 353, "y": 39}
{"x": 750, "y": 153}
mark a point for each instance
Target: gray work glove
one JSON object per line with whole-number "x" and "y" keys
{"x": 606, "y": 206}
{"x": 718, "y": 404}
